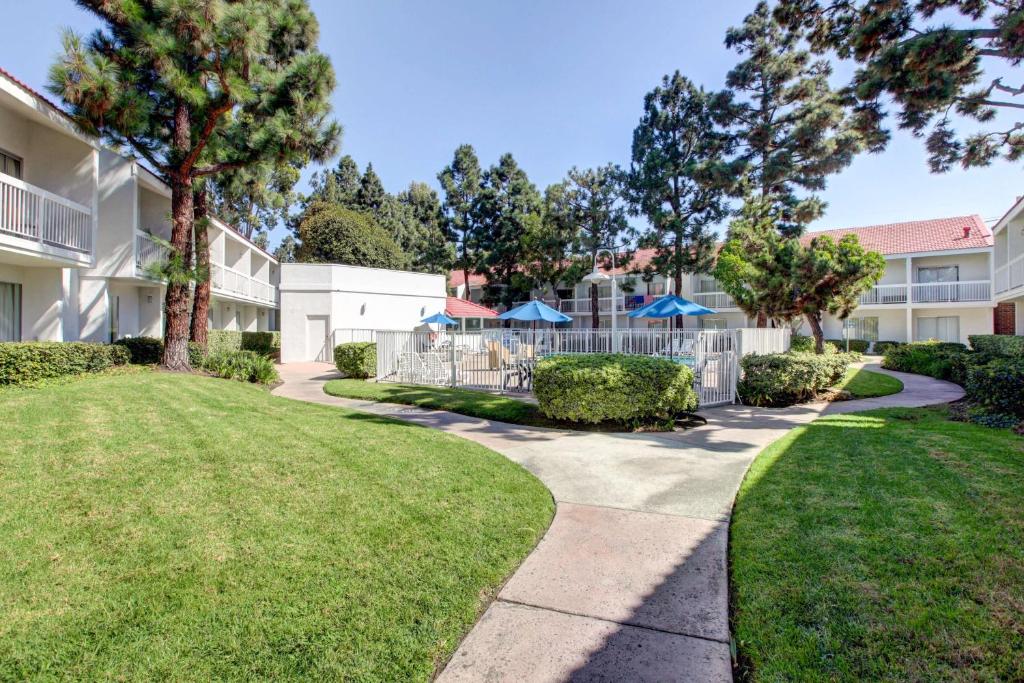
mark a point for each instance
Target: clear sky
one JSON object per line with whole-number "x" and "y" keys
{"x": 557, "y": 84}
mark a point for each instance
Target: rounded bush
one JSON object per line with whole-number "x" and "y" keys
{"x": 997, "y": 345}
{"x": 997, "y": 385}
{"x": 245, "y": 366}
{"x": 941, "y": 360}
{"x": 801, "y": 343}
{"x": 333, "y": 234}
{"x": 143, "y": 350}
{"x": 881, "y": 347}
{"x": 356, "y": 359}
{"x": 29, "y": 362}
{"x": 782, "y": 379}
{"x": 856, "y": 345}
{"x": 632, "y": 390}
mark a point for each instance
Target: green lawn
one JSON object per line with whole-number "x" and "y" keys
{"x": 177, "y": 527}
{"x": 867, "y": 384}
{"x": 881, "y": 545}
{"x": 463, "y": 401}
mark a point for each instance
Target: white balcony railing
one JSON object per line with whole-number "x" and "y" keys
{"x": 714, "y": 300}
{"x": 928, "y": 293}
{"x": 147, "y": 254}
{"x": 35, "y": 214}
{"x": 238, "y": 283}
{"x": 1010, "y": 276}
{"x": 941, "y": 292}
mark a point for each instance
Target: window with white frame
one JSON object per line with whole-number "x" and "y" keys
{"x": 944, "y": 328}
{"x": 938, "y": 274}
{"x": 707, "y": 323}
{"x": 861, "y": 328}
{"x": 708, "y": 284}
{"x": 10, "y": 164}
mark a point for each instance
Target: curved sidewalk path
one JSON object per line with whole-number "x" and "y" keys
{"x": 629, "y": 582}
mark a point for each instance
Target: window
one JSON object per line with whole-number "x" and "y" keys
{"x": 945, "y": 329}
{"x": 655, "y": 288}
{"x": 708, "y": 284}
{"x": 472, "y": 324}
{"x": 10, "y": 311}
{"x": 861, "y": 328}
{"x": 707, "y": 323}
{"x": 10, "y": 164}
{"x": 115, "y": 313}
{"x": 938, "y": 274}
{"x": 564, "y": 294}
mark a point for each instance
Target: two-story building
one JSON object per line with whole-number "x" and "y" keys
{"x": 937, "y": 285}
{"x": 1008, "y": 253}
{"x": 244, "y": 281}
{"x": 49, "y": 174}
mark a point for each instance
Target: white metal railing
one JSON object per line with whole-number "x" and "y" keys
{"x": 236, "y": 282}
{"x": 36, "y": 214}
{"x": 885, "y": 294}
{"x": 147, "y": 253}
{"x": 1010, "y": 276}
{"x": 503, "y": 360}
{"x": 939, "y": 292}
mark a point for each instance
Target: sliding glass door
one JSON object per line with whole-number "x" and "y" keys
{"x": 10, "y": 311}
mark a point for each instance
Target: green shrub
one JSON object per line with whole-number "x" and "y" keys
{"x": 196, "y": 354}
{"x": 143, "y": 350}
{"x": 782, "y": 379}
{"x": 265, "y": 343}
{"x": 632, "y": 390}
{"x": 245, "y": 366}
{"x": 941, "y": 360}
{"x": 997, "y": 345}
{"x": 356, "y": 359}
{"x": 882, "y": 346}
{"x": 997, "y": 386}
{"x": 800, "y": 343}
{"x": 856, "y": 345}
{"x": 28, "y": 362}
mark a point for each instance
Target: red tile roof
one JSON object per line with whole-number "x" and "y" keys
{"x": 460, "y": 308}
{"x": 938, "y": 234}
{"x": 456, "y": 278}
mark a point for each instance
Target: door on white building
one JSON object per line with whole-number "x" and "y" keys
{"x": 945, "y": 328}
{"x": 10, "y": 312}
{"x": 317, "y": 329}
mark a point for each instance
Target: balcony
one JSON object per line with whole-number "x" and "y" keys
{"x": 1010, "y": 276}
{"x": 714, "y": 300}
{"x": 239, "y": 285}
{"x": 47, "y": 219}
{"x": 928, "y": 293}
{"x": 148, "y": 254}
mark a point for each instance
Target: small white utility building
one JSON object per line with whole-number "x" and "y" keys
{"x": 317, "y": 299}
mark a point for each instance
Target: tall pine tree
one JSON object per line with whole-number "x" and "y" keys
{"x": 678, "y": 179}
{"x": 461, "y": 182}
{"x": 166, "y": 78}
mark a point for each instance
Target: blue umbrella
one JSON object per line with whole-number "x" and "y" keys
{"x": 669, "y": 306}
{"x": 440, "y": 319}
{"x": 533, "y": 311}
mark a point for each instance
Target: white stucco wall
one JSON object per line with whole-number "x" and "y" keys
{"x": 340, "y": 297}
{"x": 42, "y": 310}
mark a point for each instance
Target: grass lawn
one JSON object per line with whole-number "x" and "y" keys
{"x": 463, "y": 401}
{"x": 867, "y": 384}
{"x": 177, "y": 527}
{"x": 887, "y": 544}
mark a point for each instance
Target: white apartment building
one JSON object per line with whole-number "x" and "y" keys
{"x": 48, "y": 214}
{"x": 1008, "y": 253}
{"x": 937, "y": 285}
{"x": 76, "y": 246}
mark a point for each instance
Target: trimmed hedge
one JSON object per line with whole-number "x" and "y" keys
{"x": 605, "y": 387}
{"x": 196, "y": 355}
{"x": 28, "y": 362}
{"x": 997, "y": 386}
{"x": 782, "y": 379}
{"x": 800, "y": 343}
{"x": 882, "y": 346}
{"x": 856, "y": 345}
{"x": 941, "y": 360}
{"x": 245, "y": 366}
{"x": 143, "y": 350}
{"x": 997, "y": 345}
{"x": 357, "y": 360}
{"x": 265, "y": 343}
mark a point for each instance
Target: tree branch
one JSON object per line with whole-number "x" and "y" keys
{"x": 147, "y": 155}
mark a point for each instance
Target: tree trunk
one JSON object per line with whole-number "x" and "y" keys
{"x": 595, "y": 309}
{"x": 819, "y": 335}
{"x": 679, "y": 288}
{"x": 762, "y": 318}
{"x": 465, "y": 279}
{"x": 177, "y": 298}
{"x": 201, "y": 297}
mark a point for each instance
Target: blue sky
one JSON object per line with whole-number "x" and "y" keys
{"x": 556, "y": 83}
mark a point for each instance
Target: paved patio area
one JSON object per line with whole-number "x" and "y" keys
{"x": 629, "y": 583}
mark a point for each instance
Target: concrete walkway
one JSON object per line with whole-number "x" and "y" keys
{"x": 629, "y": 583}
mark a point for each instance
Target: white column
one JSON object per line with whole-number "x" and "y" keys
{"x": 910, "y": 324}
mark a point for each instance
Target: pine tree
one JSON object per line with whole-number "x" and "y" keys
{"x": 285, "y": 252}
{"x": 932, "y": 69}
{"x": 461, "y": 183}
{"x": 549, "y": 256}
{"x": 429, "y": 251}
{"x": 371, "y": 192}
{"x": 792, "y": 128}
{"x": 508, "y": 207}
{"x": 170, "y": 79}
{"x": 595, "y": 209}
{"x": 678, "y": 180}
